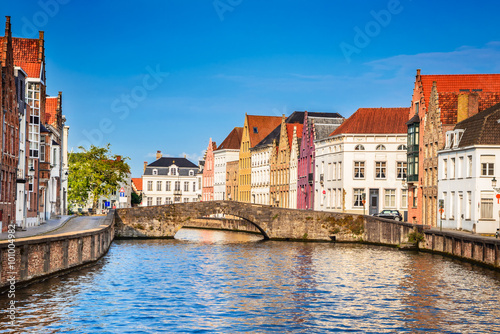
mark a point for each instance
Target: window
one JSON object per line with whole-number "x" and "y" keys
{"x": 404, "y": 198}
{"x": 339, "y": 175}
{"x": 452, "y": 205}
{"x": 150, "y": 201}
{"x": 158, "y": 185}
{"x": 460, "y": 172}
{"x": 186, "y": 200}
{"x": 194, "y": 186}
{"x": 469, "y": 165}
{"x": 414, "y": 197}
{"x": 158, "y": 200}
{"x": 168, "y": 184}
{"x": 359, "y": 148}
{"x": 191, "y": 173}
{"x": 358, "y": 197}
{"x": 469, "y": 205}
{"x": 380, "y": 148}
{"x": 486, "y": 206}
{"x": 186, "y": 186}
{"x": 177, "y": 186}
{"x": 168, "y": 200}
{"x": 390, "y": 198}
{"x": 255, "y": 130}
{"x": 155, "y": 171}
{"x": 445, "y": 169}
{"x": 380, "y": 169}
{"x": 452, "y": 168}
{"x": 402, "y": 148}
{"x": 401, "y": 170}
{"x": 150, "y": 185}
{"x": 359, "y": 169}
{"x": 173, "y": 171}
{"x": 487, "y": 165}
{"x": 417, "y": 105}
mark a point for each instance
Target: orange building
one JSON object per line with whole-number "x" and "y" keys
{"x": 438, "y": 103}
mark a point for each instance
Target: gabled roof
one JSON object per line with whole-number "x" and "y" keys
{"x": 482, "y": 128}
{"x": 449, "y": 86}
{"x": 167, "y": 162}
{"x": 26, "y": 55}
{"x": 375, "y": 121}
{"x": 233, "y": 140}
{"x": 260, "y": 126}
{"x": 137, "y": 182}
{"x": 289, "y": 130}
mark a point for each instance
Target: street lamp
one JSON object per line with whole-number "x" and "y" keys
{"x": 494, "y": 185}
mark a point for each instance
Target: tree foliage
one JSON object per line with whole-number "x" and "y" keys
{"x": 136, "y": 199}
{"x": 93, "y": 173}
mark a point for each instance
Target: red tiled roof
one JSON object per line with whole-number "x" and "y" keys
{"x": 26, "y": 55}
{"x": 449, "y": 86}
{"x": 137, "y": 181}
{"x": 233, "y": 140}
{"x": 375, "y": 121}
{"x": 263, "y": 124}
{"x": 51, "y": 109}
{"x": 289, "y": 130}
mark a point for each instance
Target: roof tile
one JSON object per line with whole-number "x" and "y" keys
{"x": 375, "y": 121}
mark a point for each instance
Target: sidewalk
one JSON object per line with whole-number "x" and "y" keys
{"x": 47, "y": 226}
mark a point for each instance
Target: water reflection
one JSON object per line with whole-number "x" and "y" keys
{"x": 216, "y": 282}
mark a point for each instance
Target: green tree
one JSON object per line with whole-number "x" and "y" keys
{"x": 136, "y": 199}
{"x": 93, "y": 173}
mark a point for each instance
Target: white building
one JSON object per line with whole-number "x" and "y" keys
{"x": 466, "y": 168}
{"x": 228, "y": 151}
{"x": 261, "y": 170}
{"x": 170, "y": 180}
{"x": 364, "y": 159}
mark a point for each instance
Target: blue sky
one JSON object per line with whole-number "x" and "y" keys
{"x": 169, "y": 74}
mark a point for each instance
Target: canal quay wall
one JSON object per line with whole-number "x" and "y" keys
{"x": 32, "y": 259}
{"x": 304, "y": 225}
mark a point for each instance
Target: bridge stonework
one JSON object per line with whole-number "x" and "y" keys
{"x": 274, "y": 223}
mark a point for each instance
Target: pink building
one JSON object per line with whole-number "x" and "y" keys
{"x": 316, "y": 126}
{"x": 207, "y": 192}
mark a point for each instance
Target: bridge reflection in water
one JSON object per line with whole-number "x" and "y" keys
{"x": 215, "y": 237}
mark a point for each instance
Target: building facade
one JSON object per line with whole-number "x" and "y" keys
{"x": 438, "y": 103}
{"x": 361, "y": 166}
{"x": 316, "y": 126}
{"x": 294, "y": 157}
{"x": 467, "y": 165}
{"x": 228, "y": 150}
{"x": 232, "y": 168}
{"x": 208, "y": 173}
{"x": 169, "y": 180}
{"x": 255, "y": 129}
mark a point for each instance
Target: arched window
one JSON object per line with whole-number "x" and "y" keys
{"x": 155, "y": 171}
{"x": 359, "y": 148}
{"x": 191, "y": 173}
{"x": 380, "y": 148}
{"x": 402, "y": 147}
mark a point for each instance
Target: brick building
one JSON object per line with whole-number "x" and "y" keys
{"x": 9, "y": 131}
{"x": 438, "y": 103}
{"x": 207, "y": 192}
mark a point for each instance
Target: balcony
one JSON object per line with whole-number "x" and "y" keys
{"x": 177, "y": 193}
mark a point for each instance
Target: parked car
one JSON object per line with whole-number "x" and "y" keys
{"x": 390, "y": 214}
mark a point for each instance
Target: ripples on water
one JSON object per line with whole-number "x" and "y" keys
{"x": 215, "y": 282}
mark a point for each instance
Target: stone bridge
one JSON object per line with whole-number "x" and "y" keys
{"x": 273, "y": 223}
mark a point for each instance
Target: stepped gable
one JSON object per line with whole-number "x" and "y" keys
{"x": 375, "y": 121}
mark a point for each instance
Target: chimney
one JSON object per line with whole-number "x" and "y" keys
{"x": 473, "y": 107}
{"x": 184, "y": 156}
{"x": 8, "y": 32}
{"x": 158, "y": 155}
{"x": 418, "y": 72}
{"x": 145, "y": 164}
{"x": 40, "y": 46}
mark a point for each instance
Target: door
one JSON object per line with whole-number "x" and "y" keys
{"x": 373, "y": 208}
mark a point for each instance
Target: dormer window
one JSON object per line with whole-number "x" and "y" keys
{"x": 380, "y": 148}
{"x": 173, "y": 171}
{"x": 359, "y": 148}
{"x": 191, "y": 173}
{"x": 155, "y": 171}
{"x": 255, "y": 130}
{"x": 458, "y": 136}
{"x": 450, "y": 138}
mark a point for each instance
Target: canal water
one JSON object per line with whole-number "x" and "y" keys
{"x": 221, "y": 282}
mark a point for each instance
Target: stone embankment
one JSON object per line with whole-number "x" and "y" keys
{"x": 26, "y": 260}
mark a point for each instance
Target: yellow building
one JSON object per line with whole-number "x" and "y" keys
{"x": 255, "y": 129}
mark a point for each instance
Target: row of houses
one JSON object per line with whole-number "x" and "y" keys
{"x": 33, "y": 164}
{"x": 434, "y": 161}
